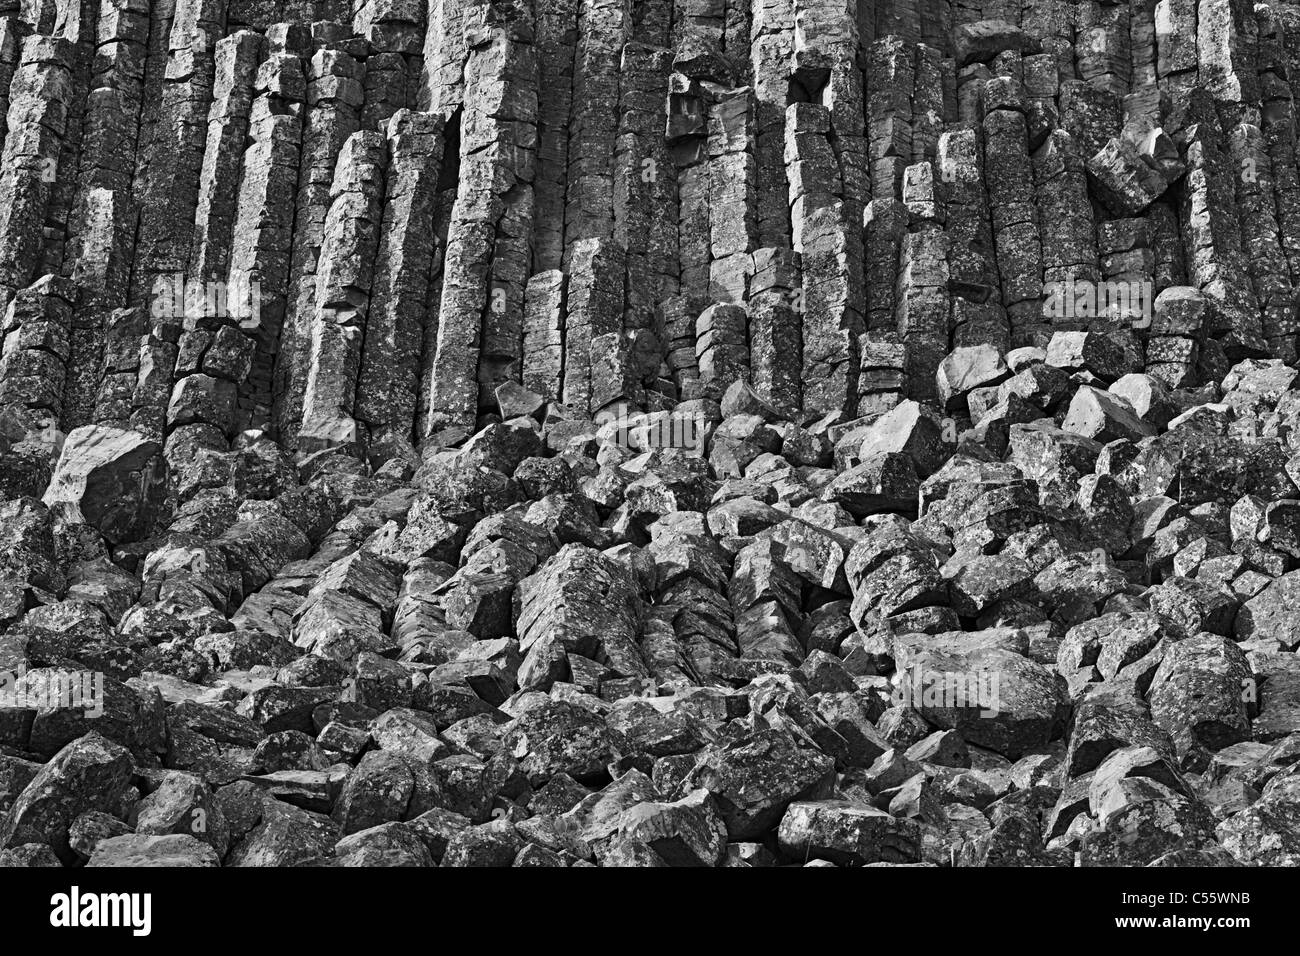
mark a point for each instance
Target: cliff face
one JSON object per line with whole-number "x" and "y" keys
{"x": 498, "y": 402}
{"x": 356, "y": 225}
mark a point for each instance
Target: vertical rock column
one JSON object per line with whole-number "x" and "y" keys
{"x": 12, "y": 32}
{"x": 168, "y": 183}
{"x": 884, "y": 226}
{"x": 119, "y": 365}
{"x": 485, "y": 267}
{"x": 223, "y": 357}
{"x": 828, "y": 66}
{"x": 1142, "y": 43}
{"x": 826, "y": 42}
{"x": 1278, "y": 125}
{"x": 603, "y": 27}
{"x": 442, "y": 87}
{"x": 1042, "y": 85}
{"x": 343, "y": 283}
{"x": 38, "y": 109}
{"x": 1090, "y": 114}
{"x": 395, "y": 31}
{"x": 1066, "y": 223}
{"x": 831, "y": 255}
{"x": 177, "y": 94}
{"x": 970, "y": 80}
{"x": 34, "y": 334}
{"x": 884, "y": 356}
{"x": 775, "y": 342}
{"x": 335, "y": 94}
{"x": 1128, "y": 267}
{"x": 645, "y": 225}
{"x": 891, "y": 80}
{"x": 922, "y": 298}
{"x": 1256, "y": 214}
{"x": 1225, "y": 39}
{"x": 732, "y": 194}
{"x": 900, "y": 18}
{"x": 771, "y": 52}
{"x": 645, "y": 184}
{"x": 1173, "y": 349}
{"x": 544, "y": 334}
{"x": 1142, "y": 136}
{"x": 158, "y": 346}
{"x": 385, "y": 86}
{"x": 1216, "y": 261}
{"x": 152, "y": 130}
{"x": 101, "y": 227}
{"x": 508, "y": 93}
{"x": 721, "y": 349}
{"x": 1167, "y": 244}
{"x": 182, "y": 309}
{"x": 593, "y": 307}
{"x": 557, "y": 30}
{"x": 687, "y": 136}
{"x": 388, "y": 387}
{"x": 1176, "y": 56}
{"x": 832, "y": 318}
{"x": 1052, "y": 23}
{"x": 237, "y": 60}
{"x": 692, "y": 572}
{"x": 905, "y": 114}
{"x": 928, "y": 109}
{"x": 502, "y": 354}
{"x": 1102, "y": 46}
{"x": 736, "y": 31}
{"x": 699, "y": 27}
{"x": 651, "y": 22}
{"x": 686, "y": 132}
{"x": 923, "y": 302}
{"x": 1010, "y": 176}
{"x": 76, "y": 23}
{"x": 677, "y": 320}
{"x": 262, "y": 253}
{"x": 978, "y": 315}
{"x": 935, "y": 22}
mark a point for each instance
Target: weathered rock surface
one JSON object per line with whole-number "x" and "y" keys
{"x": 566, "y": 432}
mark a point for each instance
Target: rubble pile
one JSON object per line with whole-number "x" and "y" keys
{"x": 577, "y": 432}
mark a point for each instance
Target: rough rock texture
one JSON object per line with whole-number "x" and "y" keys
{"x": 565, "y": 432}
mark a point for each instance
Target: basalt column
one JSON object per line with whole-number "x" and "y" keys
{"x": 480, "y": 317}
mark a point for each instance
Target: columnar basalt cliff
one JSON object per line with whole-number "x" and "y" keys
{"x": 649, "y": 432}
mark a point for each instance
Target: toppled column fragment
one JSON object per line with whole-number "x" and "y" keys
{"x": 108, "y": 476}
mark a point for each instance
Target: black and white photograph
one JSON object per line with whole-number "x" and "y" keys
{"x": 649, "y": 434}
